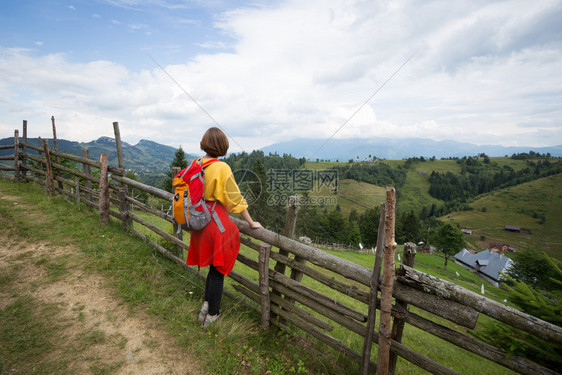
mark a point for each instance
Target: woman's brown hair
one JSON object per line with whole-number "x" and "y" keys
{"x": 214, "y": 142}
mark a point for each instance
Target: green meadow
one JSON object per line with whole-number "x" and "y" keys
{"x": 146, "y": 281}
{"x": 534, "y": 206}
{"x": 422, "y": 342}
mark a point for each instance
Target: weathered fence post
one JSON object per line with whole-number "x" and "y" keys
{"x": 372, "y": 315}
{"x": 288, "y": 231}
{"x": 104, "y": 190}
{"x": 296, "y": 274}
{"x": 16, "y": 155}
{"x": 124, "y": 206}
{"x": 24, "y": 149}
{"x": 263, "y": 258}
{"x": 56, "y": 148}
{"x": 77, "y": 187}
{"x": 387, "y": 284}
{"x": 49, "y": 183}
{"x": 40, "y": 145}
{"x": 86, "y": 169}
{"x": 398, "y": 325}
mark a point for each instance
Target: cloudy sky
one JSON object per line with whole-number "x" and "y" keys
{"x": 480, "y": 71}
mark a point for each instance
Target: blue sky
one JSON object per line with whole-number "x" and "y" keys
{"x": 485, "y": 72}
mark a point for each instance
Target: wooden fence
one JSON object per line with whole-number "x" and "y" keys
{"x": 279, "y": 296}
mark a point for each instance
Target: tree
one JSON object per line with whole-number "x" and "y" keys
{"x": 424, "y": 213}
{"x": 449, "y": 240}
{"x": 354, "y": 234}
{"x": 533, "y": 268}
{"x": 545, "y": 304}
{"x": 178, "y": 162}
{"x": 409, "y": 227}
{"x": 353, "y": 215}
{"x": 369, "y": 226}
{"x": 267, "y": 207}
{"x": 254, "y": 188}
{"x": 139, "y": 195}
{"x": 307, "y": 219}
{"x": 337, "y": 226}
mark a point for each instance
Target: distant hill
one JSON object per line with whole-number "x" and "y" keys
{"x": 145, "y": 156}
{"x": 392, "y": 149}
{"x": 534, "y": 206}
{"x": 151, "y": 157}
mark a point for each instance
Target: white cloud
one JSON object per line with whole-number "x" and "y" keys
{"x": 135, "y": 27}
{"x": 212, "y": 45}
{"x": 71, "y": 7}
{"x": 482, "y": 72}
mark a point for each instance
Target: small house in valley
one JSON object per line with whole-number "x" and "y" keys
{"x": 488, "y": 264}
{"x": 501, "y": 247}
{"x": 513, "y": 228}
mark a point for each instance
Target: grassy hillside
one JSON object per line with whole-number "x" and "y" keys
{"x": 414, "y": 194}
{"x": 166, "y": 297}
{"x": 319, "y": 165}
{"x": 150, "y": 284}
{"x": 353, "y": 195}
{"x": 535, "y": 206}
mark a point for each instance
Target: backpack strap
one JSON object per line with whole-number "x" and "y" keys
{"x": 204, "y": 164}
{"x": 210, "y": 161}
{"x": 212, "y": 208}
{"x": 185, "y": 206}
{"x": 216, "y": 218}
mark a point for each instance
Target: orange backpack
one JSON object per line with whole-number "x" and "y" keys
{"x": 190, "y": 210}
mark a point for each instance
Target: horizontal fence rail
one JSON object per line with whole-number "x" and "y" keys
{"x": 283, "y": 299}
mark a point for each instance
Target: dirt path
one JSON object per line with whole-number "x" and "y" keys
{"x": 96, "y": 330}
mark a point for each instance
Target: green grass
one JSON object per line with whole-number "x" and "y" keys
{"x": 414, "y": 194}
{"x": 27, "y": 338}
{"x": 143, "y": 280}
{"x": 432, "y": 264}
{"x": 320, "y": 165}
{"x": 536, "y": 206}
{"x": 420, "y": 341}
{"x": 362, "y": 192}
{"x": 525, "y": 205}
{"x": 513, "y": 163}
{"x": 147, "y": 281}
{"x": 353, "y": 195}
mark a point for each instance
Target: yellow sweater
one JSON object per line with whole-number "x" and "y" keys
{"x": 221, "y": 186}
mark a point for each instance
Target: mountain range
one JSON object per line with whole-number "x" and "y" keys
{"x": 393, "y": 149}
{"x": 145, "y": 156}
{"x": 152, "y": 157}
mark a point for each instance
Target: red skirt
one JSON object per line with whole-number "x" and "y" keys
{"x": 210, "y": 246}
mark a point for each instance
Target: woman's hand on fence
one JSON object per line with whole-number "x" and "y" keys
{"x": 255, "y": 225}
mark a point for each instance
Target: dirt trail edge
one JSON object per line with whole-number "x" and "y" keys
{"x": 95, "y": 330}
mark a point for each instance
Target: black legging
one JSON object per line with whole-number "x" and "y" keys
{"x": 213, "y": 290}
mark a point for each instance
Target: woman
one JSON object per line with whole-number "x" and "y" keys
{"x": 213, "y": 246}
